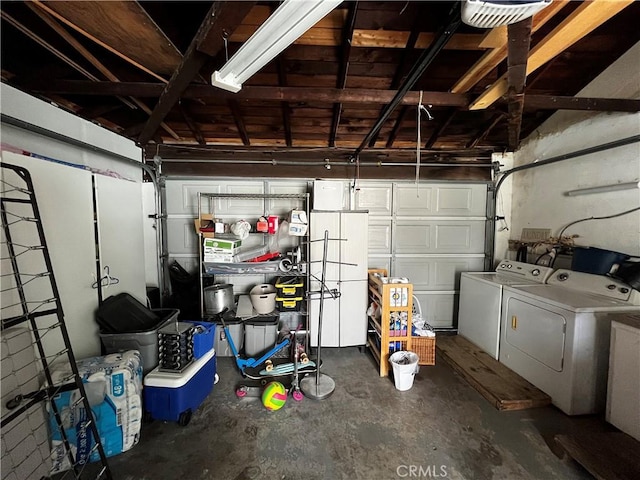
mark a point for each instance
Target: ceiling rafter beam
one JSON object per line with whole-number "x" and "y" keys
{"x": 416, "y": 72}
{"x": 55, "y": 14}
{"x": 440, "y": 129}
{"x": 49, "y": 20}
{"x": 582, "y": 21}
{"x": 221, "y": 19}
{"x": 43, "y": 43}
{"x": 396, "y": 126}
{"x": 341, "y": 83}
{"x": 193, "y": 126}
{"x": 497, "y": 38}
{"x": 284, "y": 105}
{"x": 557, "y": 102}
{"x": 87, "y": 55}
{"x": 519, "y": 41}
{"x": 473, "y": 143}
{"x": 399, "y": 73}
{"x": 326, "y": 95}
{"x": 290, "y": 94}
{"x": 237, "y": 118}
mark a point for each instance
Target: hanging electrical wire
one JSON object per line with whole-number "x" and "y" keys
{"x": 596, "y": 218}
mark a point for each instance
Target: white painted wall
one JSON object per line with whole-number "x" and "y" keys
{"x": 120, "y": 213}
{"x": 538, "y": 199}
{"x": 17, "y": 104}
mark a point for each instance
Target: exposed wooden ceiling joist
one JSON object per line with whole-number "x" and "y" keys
{"x": 400, "y": 70}
{"x": 496, "y": 39}
{"x": 284, "y": 106}
{"x": 43, "y": 43}
{"x": 330, "y": 95}
{"x": 341, "y": 83}
{"x": 553, "y": 102}
{"x": 197, "y": 133}
{"x": 473, "y": 143}
{"x": 87, "y": 55}
{"x": 519, "y": 40}
{"x": 125, "y": 29}
{"x": 222, "y": 17}
{"x": 396, "y": 126}
{"x": 447, "y": 31}
{"x": 290, "y": 94}
{"x": 586, "y": 18}
{"x": 440, "y": 129}
{"x": 237, "y": 118}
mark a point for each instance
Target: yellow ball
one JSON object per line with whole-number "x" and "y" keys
{"x": 274, "y": 396}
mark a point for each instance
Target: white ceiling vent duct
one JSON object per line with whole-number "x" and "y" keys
{"x": 494, "y": 13}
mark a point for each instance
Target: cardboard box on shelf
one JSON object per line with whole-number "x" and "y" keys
{"x": 219, "y": 258}
{"x": 221, "y": 245}
{"x": 205, "y": 221}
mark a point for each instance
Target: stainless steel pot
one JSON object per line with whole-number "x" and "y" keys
{"x": 218, "y": 297}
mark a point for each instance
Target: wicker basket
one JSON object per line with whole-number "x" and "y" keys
{"x": 425, "y": 347}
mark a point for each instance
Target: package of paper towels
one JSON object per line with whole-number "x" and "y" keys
{"x": 113, "y": 385}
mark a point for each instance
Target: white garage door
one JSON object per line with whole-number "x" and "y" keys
{"x": 429, "y": 233}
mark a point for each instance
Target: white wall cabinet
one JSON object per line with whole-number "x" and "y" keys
{"x": 344, "y": 321}
{"x": 65, "y": 200}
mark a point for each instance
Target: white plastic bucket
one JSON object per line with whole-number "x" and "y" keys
{"x": 405, "y": 366}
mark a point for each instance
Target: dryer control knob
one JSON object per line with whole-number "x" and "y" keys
{"x": 535, "y": 272}
{"x": 611, "y": 286}
{"x": 624, "y": 290}
{"x": 563, "y": 276}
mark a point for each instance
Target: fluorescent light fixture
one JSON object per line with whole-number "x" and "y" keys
{"x": 288, "y": 23}
{"x": 603, "y": 189}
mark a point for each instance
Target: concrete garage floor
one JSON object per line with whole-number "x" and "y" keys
{"x": 441, "y": 428}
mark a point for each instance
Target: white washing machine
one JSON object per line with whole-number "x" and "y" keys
{"x": 556, "y": 336}
{"x": 481, "y": 300}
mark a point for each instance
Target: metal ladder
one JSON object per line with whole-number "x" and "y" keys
{"x": 30, "y": 300}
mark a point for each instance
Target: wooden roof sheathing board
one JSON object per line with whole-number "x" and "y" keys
{"x": 125, "y": 27}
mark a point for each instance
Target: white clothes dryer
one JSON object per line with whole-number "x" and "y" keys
{"x": 556, "y": 336}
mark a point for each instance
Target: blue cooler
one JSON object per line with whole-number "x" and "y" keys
{"x": 174, "y": 396}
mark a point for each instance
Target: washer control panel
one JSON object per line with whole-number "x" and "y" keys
{"x": 527, "y": 271}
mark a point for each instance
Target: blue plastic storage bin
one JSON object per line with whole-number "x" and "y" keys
{"x": 203, "y": 341}
{"x": 174, "y": 396}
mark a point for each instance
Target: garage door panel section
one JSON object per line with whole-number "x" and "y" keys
{"x": 433, "y": 273}
{"x": 410, "y": 200}
{"x": 438, "y": 309}
{"x": 182, "y": 197}
{"x": 463, "y": 200}
{"x": 468, "y": 200}
{"x": 181, "y": 236}
{"x": 375, "y": 198}
{"x": 379, "y": 236}
{"x": 439, "y": 236}
{"x": 380, "y": 262}
{"x": 282, "y": 206}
